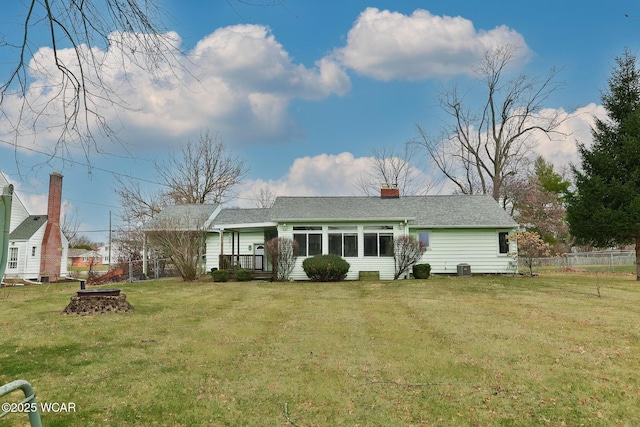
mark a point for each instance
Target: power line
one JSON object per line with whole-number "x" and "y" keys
{"x": 89, "y": 166}
{"x": 76, "y": 162}
{"x": 70, "y": 200}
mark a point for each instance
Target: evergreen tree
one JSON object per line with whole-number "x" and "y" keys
{"x": 605, "y": 208}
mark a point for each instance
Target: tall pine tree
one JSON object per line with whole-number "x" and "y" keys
{"x": 605, "y": 209}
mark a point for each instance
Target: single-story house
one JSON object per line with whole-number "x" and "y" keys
{"x": 83, "y": 258}
{"x": 457, "y": 229}
{"x": 37, "y": 246}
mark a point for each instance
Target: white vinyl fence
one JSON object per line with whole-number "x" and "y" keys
{"x": 598, "y": 260}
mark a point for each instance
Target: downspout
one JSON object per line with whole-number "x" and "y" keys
{"x": 5, "y": 222}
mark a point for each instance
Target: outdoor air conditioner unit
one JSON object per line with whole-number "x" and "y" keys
{"x": 464, "y": 270}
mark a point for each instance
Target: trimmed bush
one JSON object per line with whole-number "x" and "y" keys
{"x": 326, "y": 268}
{"x": 243, "y": 275}
{"x": 421, "y": 271}
{"x": 220, "y": 275}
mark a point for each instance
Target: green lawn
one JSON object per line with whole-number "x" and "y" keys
{"x": 470, "y": 351}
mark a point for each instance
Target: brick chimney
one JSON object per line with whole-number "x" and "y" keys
{"x": 51, "y": 255}
{"x": 387, "y": 192}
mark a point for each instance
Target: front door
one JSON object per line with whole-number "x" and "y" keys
{"x": 258, "y": 256}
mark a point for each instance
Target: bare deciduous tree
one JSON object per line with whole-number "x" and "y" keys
{"x": 392, "y": 166}
{"x": 182, "y": 240}
{"x": 138, "y": 204}
{"x": 264, "y": 197}
{"x": 483, "y": 147}
{"x": 407, "y": 251}
{"x": 70, "y": 226}
{"x": 202, "y": 172}
{"x": 282, "y": 253}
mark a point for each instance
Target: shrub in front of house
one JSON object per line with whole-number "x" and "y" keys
{"x": 326, "y": 268}
{"x": 421, "y": 271}
{"x": 243, "y": 275}
{"x": 220, "y": 275}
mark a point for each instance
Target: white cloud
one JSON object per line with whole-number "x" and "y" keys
{"x": 337, "y": 174}
{"x": 561, "y": 148}
{"x": 320, "y": 175}
{"x": 389, "y": 45}
{"x": 238, "y": 80}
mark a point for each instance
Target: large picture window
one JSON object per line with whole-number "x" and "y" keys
{"x": 343, "y": 241}
{"x": 378, "y": 240}
{"x": 309, "y": 240}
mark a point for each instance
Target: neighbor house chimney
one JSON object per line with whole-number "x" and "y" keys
{"x": 51, "y": 255}
{"x": 387, "y": 192}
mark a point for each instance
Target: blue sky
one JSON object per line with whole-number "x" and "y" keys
{"x": 304, "y": 90}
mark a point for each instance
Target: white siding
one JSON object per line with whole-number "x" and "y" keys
{"x": 13, "y": 273}
{"x": 18, "y": 211}
{"x": 64, "y": 265}
{"x": 247, "y": 241}
{"x": 476, "y": 247}
{"x": 28, "y": 264}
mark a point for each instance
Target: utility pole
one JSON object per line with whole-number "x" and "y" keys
{"x": 110, "y": 262}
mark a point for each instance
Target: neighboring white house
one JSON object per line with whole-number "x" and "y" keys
{"x": 29, "y": 241}
{"x": 109, "y": 254}
{"x": 458, "y": 229}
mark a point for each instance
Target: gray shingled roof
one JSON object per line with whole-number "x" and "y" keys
{"x": 455, "y": 211}
{"x": 28, "y": 227}
{"x": 243, "y": 216}
{"x": 181, "y": 217}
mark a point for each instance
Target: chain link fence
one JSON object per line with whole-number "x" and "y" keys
{"x": 605, "y": 261}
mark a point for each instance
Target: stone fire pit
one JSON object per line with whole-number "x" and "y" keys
{"x": 99, "y": 300}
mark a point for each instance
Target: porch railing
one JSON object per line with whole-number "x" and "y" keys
{"x": 246, "y": 262}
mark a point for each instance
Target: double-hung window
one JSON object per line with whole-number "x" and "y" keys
{"x": 343, "y": 241}
{"x": 378, "y": 240}
{"x": 503, "y": 242}
{"x": 424, "y": 237}
{"x": 13, "y": 258}
{"x": 309, "y": 240}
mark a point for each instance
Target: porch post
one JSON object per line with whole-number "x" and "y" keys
{"x": 220, "y": 255}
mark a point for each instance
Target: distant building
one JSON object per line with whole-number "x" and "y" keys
{"x": 84, "y": 258}
{"x": 108, "y": 256}
{"x": 37, "y": 247}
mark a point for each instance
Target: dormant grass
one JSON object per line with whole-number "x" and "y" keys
{"x": 448, "y": 351}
